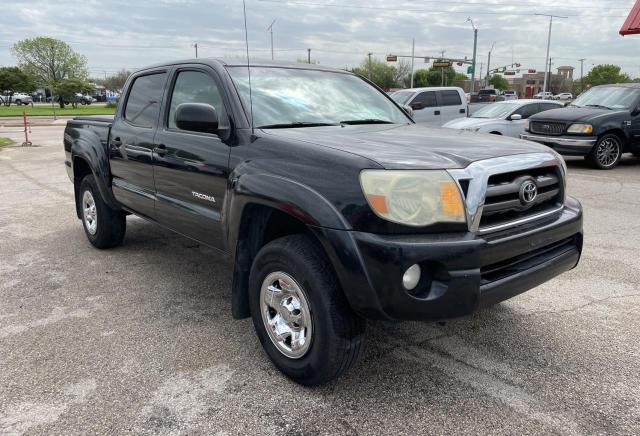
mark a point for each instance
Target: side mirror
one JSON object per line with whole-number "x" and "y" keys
{"x": 416, "y": 106}
{"x": 408, "y": 110}
{"x": 636, "y": 111}
{"x": 515, "y": 117}
{"x": 197, "y": 117}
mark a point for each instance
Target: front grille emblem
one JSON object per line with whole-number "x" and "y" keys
{"x": 528, "y": 192}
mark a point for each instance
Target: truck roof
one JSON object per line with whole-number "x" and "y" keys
{"x": 240, "y": 62}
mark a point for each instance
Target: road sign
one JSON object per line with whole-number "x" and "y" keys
{"x": 441, "y": 64}
{"x": 392, "y": 58}
{"x": 531, "y": 71}
{"x": 509, "y": 73}
{"x": 470, "y": 69}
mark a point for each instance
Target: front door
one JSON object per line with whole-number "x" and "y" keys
{"x": 191, "y": 168}
{"x": 131, "y": 144}
{"x": 635, "y": 130}
{"x": 425, "y": 108}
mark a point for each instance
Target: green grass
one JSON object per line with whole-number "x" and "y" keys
{"x": 45, "y": 110}
{"x": 5, "y": 141}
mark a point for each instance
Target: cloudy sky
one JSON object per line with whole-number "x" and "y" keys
{"x": 115, "y": 34}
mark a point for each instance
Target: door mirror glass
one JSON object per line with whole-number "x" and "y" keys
{"x": 197, "y": 117}
{"x": 636, "y": 111}
{"x": 515, "y": 117}
{"x": 408, "y": 110}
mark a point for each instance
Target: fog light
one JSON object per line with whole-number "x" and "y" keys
{"x": 411, "y": 277}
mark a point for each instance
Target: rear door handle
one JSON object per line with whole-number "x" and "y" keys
{"x": 436, "y": 113}
{"x": 161, "y": 149}
{"x": 462, "y": 111}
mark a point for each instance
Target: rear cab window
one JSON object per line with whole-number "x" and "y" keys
{"x": 143, "y": 102}
{"x": 450, "y": 98}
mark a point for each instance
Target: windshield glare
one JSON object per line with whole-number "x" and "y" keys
{"x": 284, "y": 96}
{"x": 613, "y": 97}
{"x": 496, "y": 110}
{"x": 402, "y": 97}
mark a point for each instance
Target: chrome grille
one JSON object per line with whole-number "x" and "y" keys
{"x": 546, "y": 128}
{"x": 506, "y": 200}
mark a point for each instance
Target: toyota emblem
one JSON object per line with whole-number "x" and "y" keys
{"x": 528, "y": 192}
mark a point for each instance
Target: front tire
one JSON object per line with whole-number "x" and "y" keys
{"x": 607, "y": 152}
{"x": 104, "y": 226}
{"x": 300, "y": 314}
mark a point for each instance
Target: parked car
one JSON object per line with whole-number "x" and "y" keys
{"x": 510, "y": 95}
{"x": 21, "y": 98}
{"x": 486, "y": 96}
{"x": 333, "y": 205}
{"x": 563, "y": 96}
{"x": 84, "y": 99}
{"x": 601, "y": 124}
{"x": 547, "y": 95}
{"x": 434, "y": 106}
{"x": 505, "y": 118}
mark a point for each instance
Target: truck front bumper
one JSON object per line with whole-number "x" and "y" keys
{"x": 570, "y": 145}
{"x": 460, "y": 272}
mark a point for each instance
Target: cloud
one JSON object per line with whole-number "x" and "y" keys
{"x": 116, "y": 34}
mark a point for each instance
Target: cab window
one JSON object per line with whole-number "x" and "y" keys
{"x": 450, "y": 98}
{"x": 426, "y": 99}
{"x": 527, "y": 110}
{"x": 196, "y": 87}
{"x": 143, "y": 102}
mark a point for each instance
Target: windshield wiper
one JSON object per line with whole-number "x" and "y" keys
{"x": 295, "y": 124}
{"x": 598, "y": 105}
{"x": 367, "y": 121}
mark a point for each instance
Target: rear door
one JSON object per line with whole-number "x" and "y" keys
{"x": 131, "y": 143}
{"x": 191, "y": 168}
{"x": 451, "y": 105}
{"x": 425, "y": 108}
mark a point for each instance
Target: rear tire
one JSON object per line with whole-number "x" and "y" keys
{"x": 104, "y": 226}
{"x": 607, "y": 152}
{"x": 300, "y": 314}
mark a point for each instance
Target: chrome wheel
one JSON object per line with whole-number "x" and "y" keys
{"x": 608, "y": 151}
{"x": 90, "y": 215}
{"x": 286, "y": 314}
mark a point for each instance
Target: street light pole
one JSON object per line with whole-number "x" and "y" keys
{"x": 442, "y": 70}
{"x": 473, "y": 62}
{"x": 308, "y": 55}
{"x": 413, "y": 55}
{"x": 270, "y": 29}
{"x": 489, "y": 63}
{"x": 546, "y": 62}
{"x": 369, "y": 54}
{"x": 581, "y": 74}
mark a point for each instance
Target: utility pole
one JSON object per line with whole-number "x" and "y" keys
{"x": 489, "y": 64}
{"x": 195, "y": 44}
{"x": 308, "y": 55}
{"x": 551, "y": 17}
{"x": 581, "y": 74}
{"x": 480, "y": 75}
{"x": 550, "y": 72}
{"x": 369, "y": 54}
{"x": 473, "y": 62}
{"x": 442, "y": 69}
{"x": 413, "y": 55}
{"x": 270, "y": 29}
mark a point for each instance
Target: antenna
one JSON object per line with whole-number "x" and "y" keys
{"x": 246, "y": 39}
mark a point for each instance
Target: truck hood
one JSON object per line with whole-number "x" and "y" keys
{"x": 573, "y": 114}
{"x": 411, "y": 146}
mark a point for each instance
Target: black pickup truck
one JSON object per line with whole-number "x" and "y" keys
{"x": 601, "y": 125}
{"x": 332, "y": 203}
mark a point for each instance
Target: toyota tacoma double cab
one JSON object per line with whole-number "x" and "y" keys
{"x": 333, "y": 205}
{"x": 601, "y": 125}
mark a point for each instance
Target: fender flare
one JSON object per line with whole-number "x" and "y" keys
{"x": 89, "y": 147}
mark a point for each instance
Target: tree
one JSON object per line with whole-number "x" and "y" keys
{"x": 499, "y": 82}
{"x": 433, "y": 77}
{"x": 116, "y": 82}
{"x": 605, "y": 74}
{"x": 379, "y": 72}
{"x": 13, "y": 79}
{"x": 403, "y": 73}
{"x": 49, "y": 60}
{"x": 66, "y": 90}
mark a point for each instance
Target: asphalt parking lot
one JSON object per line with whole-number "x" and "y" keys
{"x": 140, "y": 339}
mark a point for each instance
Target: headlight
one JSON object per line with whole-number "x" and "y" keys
{"x": 413, "y": 198}
{"x": 526, "y": 124}
{"x": 586, "y": 129}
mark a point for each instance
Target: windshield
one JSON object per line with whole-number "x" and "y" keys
{"x": 291, "y": 97}
{"x": 496, "y": 110}
{"x": 402, "y": 97}
{"x": 609, "y": 97}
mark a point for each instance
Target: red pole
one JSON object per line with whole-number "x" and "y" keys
{"x": 26, "y": 132}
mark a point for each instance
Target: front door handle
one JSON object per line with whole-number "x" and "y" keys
{"x": 436, "y": 113}
{"x": 116, "y": 142}
{"x": 161, "y": 149}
